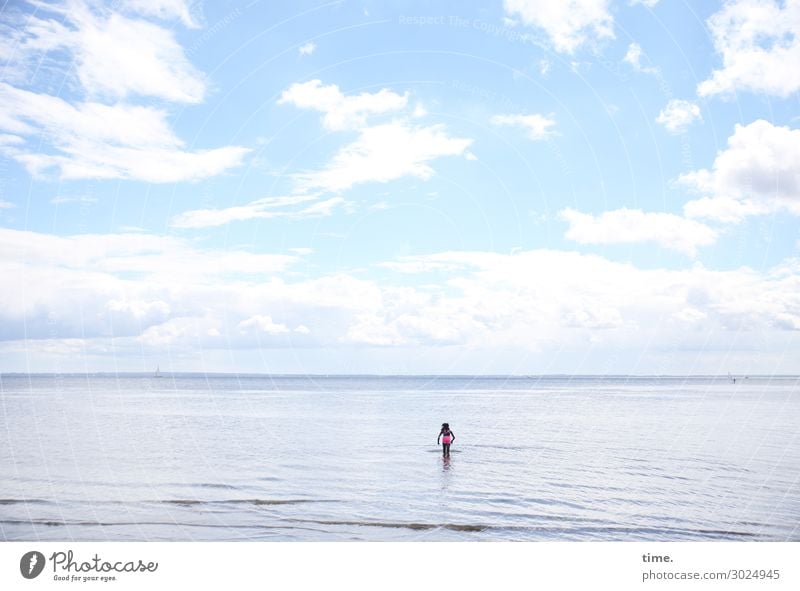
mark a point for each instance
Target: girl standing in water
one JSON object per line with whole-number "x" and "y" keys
{"x": 447, "y": 437}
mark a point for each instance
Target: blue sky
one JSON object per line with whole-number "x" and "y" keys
{"x": 400, "y": 187}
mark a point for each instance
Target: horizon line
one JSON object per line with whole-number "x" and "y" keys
{"x": 165, "y": 374}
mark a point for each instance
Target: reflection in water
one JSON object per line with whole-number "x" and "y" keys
{"x": 447, "y": 475}
{"x": 446, "y": 463}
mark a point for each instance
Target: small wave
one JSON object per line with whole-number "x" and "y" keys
{"x": 508, "y": 447}
{"x": 590, "y": 487}
{"x": 207, "y": 485}
{"x": 522, "y": 502}
{"x": 540, "y": 519}
{"x": 39, "y": 522}
{"x": 398, "y": 524}
{"x": 191, "y": 502}
{"x": 581, "y": 532}
{"x": 24, "y": 502}
{"x": 659, "y": 533}
{"x": 655, "y": 474}
{"x": 67, "y": 523}
{"x": 182, "y": 502}
{"x": 603, "y": 531}
{"x": 727, "y": 532}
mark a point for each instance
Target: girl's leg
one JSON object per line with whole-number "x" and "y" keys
{"x": 446, "y": 450}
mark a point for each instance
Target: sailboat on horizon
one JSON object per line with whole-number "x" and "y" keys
{"x": 157, "y": 374}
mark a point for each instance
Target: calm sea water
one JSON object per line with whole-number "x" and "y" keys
{"x": 355, "y": 458}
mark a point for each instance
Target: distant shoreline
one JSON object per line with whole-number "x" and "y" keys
{"x": 187, "y": 374}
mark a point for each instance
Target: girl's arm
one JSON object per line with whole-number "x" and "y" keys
{"x": 453, "y": 435}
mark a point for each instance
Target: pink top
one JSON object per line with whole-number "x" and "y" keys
{"x": 446, "y": 439}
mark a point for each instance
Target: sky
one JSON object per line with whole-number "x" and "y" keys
{"x": 496, "y": 187}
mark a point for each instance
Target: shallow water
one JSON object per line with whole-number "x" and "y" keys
{"x": 323, "y": 458}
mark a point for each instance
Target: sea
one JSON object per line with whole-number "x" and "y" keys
{"x": 184, "y": 457}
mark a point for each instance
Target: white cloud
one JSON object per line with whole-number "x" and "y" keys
{"x": 536, "y": 126}
{"x": 151, "y": 165}
{"x": 648, "y": 3}
{"x": 118, "y": 57}
{"x": 569, "y": 24}
{"x": 544, "y": 67}
{"x": 27, "y": 112}
{"x": 342, "y": 111}
{"x": 7, "y": 139}
{"x": 115, "y": 284}
{"x": 632, "y": 226}
{"x": 98, "y": 141}
{"x": 384, "y": 153}
{"x": 166, "y": 10}
{"x": 634, "y": 57}
{"x": 112, "y": 55}
{"x": 381, "y": 152}
{"x": 114, "y": 58}
{"x": 263, "y": 323}
{"x": 323, "y": 208}
{"x": 759, "y": 41}
{"x": 545, "y": 298}
{"x": 380, "y": 206}
{"x": 307, "y": 48}
{"x": 757, "y": 173}
{"x": 678, "y": 115}
{"x": 267, "y": 208}
{"x": 724, "y": 209}
{"x": 150, "y": 292}
{"x": 6, "y": 204}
